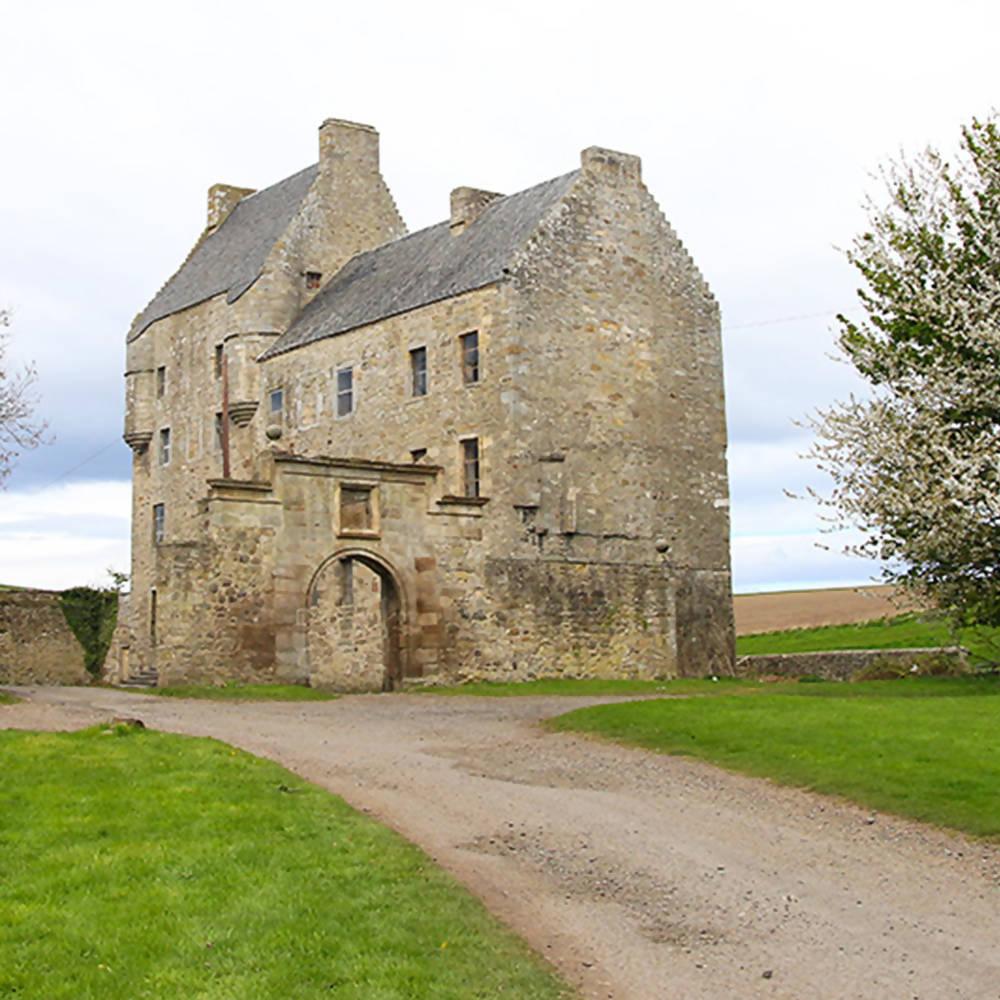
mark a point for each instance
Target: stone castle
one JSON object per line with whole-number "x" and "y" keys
{"x": 493, "y": 448}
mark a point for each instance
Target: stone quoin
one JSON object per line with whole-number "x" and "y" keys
{"x": 490, "y": 449}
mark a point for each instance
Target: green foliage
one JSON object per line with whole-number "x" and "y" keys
{"x": 92, "y": 615}
{"x": 927, "y": 665}
{"x": 902, "y": 632}
{"x": 164, "y": 867}
{"x": 924, "y": 748}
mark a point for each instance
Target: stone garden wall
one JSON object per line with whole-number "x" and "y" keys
{"x": 845, "y": 664}
{"x": 37, "y": 645}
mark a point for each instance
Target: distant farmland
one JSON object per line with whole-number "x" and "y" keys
{"x": 809, "y": 608}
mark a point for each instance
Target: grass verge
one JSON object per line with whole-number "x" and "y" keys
{"x": 7, "y": 699}
{"x": 240, "y": 692}
{"x": 135, "y": 864}
{"x": 901, "y": 632}
{"x": 921, "y": 747}
{"x": 597, "y": 687}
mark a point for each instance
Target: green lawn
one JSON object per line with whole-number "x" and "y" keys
{"x": 925, "y": 748}
{"x": 901, "y": 632}
{"x": 590, "y": 686}
{"x": 240, "y": 692}
{"x": 141, "y": 865}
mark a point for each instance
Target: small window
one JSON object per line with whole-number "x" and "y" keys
{"x": 356, "y": 508}
{"x": 313, "y": 280}
{"x": 418, "y": 454}
{"x": 470, "y": 357}
{"x": 159, "y": 520}
{"x": 152, "y": 616}
{"x": 276, "y": 403}
{"x": 418, "y": 371}
{"x": 345, "y": 392}
{"x": 470, "y": 467}
{"x": 165, "y": 446}
{"x": 218, "y": 360}
{"x": 161, "y": 381}
{"x": 218, "y": 432}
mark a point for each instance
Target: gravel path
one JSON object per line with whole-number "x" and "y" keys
{"x": 636, "y": 875}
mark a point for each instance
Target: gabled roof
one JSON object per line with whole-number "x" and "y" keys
{"x": 424, "y": 267}
{"x": 232, "y": 258}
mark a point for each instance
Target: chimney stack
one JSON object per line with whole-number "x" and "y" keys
{"x": 467, "y": 205}
{"x": 222, "y": 199}
{"x": 612, "y": 164}
{"x": 347, "y": 144}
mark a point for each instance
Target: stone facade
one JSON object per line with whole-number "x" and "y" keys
{"x": 523, "y": 473}
{"x": 37, "y": 646}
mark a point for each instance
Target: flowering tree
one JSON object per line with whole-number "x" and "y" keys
{"x": 18, "y": 430}
{"x": 917, "y": 465}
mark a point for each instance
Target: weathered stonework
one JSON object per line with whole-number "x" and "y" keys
{"x": 848, "y": 664}
{"x": 597, "y": 543}
{"x": 37, "y": 646}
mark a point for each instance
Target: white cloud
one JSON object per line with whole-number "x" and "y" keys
{"x": 64, "y": 536}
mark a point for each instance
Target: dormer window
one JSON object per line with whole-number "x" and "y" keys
{"x": 313, "y": 280}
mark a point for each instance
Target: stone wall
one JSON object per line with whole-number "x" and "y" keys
{"x": 37, "y": 645}
{"x": 844, "y": 664}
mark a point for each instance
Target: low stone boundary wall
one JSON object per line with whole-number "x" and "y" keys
{"x": 37, "y": 646}
{"x": 843, "y": 664}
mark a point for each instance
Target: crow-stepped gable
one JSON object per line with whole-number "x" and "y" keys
{"x": 493, "y": 448}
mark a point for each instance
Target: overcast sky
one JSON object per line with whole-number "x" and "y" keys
{"x": 759, "y": 126}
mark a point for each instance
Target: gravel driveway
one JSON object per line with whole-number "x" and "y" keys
{"x": 636, "y": 875}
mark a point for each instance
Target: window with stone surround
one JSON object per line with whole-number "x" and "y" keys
{"x": 345, "y": 392}
{"x": 164, "y": 446}
{"x": 313, "y": 280}
{"x": 470, "y": 467}
{"x": 418, "y": 371}
{"x": 276, "y": 404}
{"x": 159, "y": 522}
{"x": 218, "y": 432}
{"x": 161, "y": 381}
{"x": 152, "y": 616}
{"x": 470, "y": 357}
{"x": 218, "y": 360}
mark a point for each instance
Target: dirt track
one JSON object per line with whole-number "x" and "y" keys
{"x": 638, "y": 876}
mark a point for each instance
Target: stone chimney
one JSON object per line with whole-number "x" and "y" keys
{"x": 347, "y": 144}
{"x": 467, "y": 205}
{"x": 611, "y": 164}
{"x": 222, "y": 199}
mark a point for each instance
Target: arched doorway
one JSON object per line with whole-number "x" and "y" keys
{"x": 354, "y": 624}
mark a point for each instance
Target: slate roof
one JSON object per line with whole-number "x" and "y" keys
{"x": 231, "y": 259}
{"x": 424, "y": 267}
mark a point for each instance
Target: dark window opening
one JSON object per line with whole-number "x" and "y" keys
{"x": 161, "y": 381}
{"x": 152, "y": 616}
{"x": 345, "y": 392}
{"x": 470, "y": 467}
{"x": 218, "y": 431}
{"x": 218, "y": 360}
{"x": 418, "y": 454}
{"x": 165, "y": 446}
{"x": 470, "y": 357}
{"x": 277, "y": 402}
{"x": 159, "y": 522}
{"x": 356, "y": 508}
{"x": 313, "y": 280}
{"x": 418, "y": 371}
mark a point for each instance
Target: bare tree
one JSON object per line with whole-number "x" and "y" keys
{"x": 19, "y": 430}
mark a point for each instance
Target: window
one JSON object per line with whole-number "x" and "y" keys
{"x": 345, "y": 392}
{"x": 470, "y": 467}
{"x": 218, "y": 432}
{"x": 152, "y": 616}
{"x": 161, "y": 381}
{"x": 313, "y": 280}
{"x": 418, "y": 454}
{"x": 470, "y": 357}
{"x": 276, "y": 403}
{"x": 356, "y": 508}
{"x": 165, "y": 446}
{"x": 159, "y": 519}
{"x": 418, "y": 371}
{"x": 218, "y": 360}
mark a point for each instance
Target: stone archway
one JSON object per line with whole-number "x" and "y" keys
{"x": 355, "y": 617}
